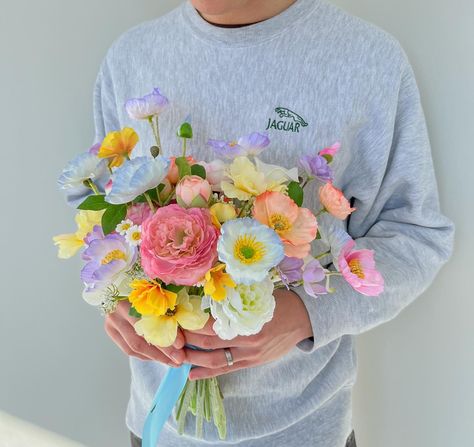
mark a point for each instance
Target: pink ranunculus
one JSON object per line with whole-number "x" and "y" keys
{"x": 139, "y": 212}
{"x": 358, "y": 269}
{"x": 215, "y": 173}
{"x": 193, "y": 191}
{"x": 173, "y": 174}
{"x": 334, "y": 201}
{"x": 178, "y": 245}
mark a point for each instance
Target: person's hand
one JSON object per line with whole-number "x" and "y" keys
{"x": 119, "y": 327}
{"x": 290, "y": 325}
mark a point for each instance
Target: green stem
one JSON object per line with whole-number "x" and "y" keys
{"x": 156, "y": 131}
{"x": 184, "y": 147}
{"x": 150, "y": 202}
{"x": 93, "y": 187}
{"x": 321, "y": 211}
{"x": 308, "y": 179}
{"x": 323, "y": 254}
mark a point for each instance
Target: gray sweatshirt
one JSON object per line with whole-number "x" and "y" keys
{"x": 311, "y": 76}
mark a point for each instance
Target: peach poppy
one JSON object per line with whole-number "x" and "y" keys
{"x": 297, "y": 227}
{"x": 334, "y": 201}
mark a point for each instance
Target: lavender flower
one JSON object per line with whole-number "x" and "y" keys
{"x": 148, "y": 106}
{"x": 252, "y": 144}
{"x": 313, "y": 274}
{"x": 290, "y": 270}
{"x": 316, "y": 166}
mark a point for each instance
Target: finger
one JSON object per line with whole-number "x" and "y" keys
{"x": 206, "y": 373}
{"x": 139, "y": 345}
{"x": 122, "y": 344}
{"x": 217, "y": 359}
{"x": 123, "y": 309}
{"x": 180, "y": 340}
{"x": 207, "y": 329}
{"x": 214, "y": 342}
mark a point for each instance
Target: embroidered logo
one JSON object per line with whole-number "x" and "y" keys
{"x": 290, "y": 122}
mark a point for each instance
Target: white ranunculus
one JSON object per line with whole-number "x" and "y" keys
{"x": 244, "y": 311}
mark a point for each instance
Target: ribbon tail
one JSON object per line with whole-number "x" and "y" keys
{"x": 165, "y": 399}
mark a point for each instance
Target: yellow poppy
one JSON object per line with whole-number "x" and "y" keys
{"x": 118, "y": 146}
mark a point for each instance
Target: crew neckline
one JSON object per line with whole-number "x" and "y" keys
{"x": 249, "y": 34}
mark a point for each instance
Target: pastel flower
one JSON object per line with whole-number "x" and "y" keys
{"x": 331, "y": 150}
{"x": 252, "y": 144}
{"x": 124, "y": 226}
{"x": 221, "y": 213}
{"x": 216, "y": 282}
{"x": 249, "y": 249}
{"x": 136, "y": 177}
{"x": 83, "y": 168}
{"x": 148, "y": 106}
{"x": 358, "y": 269}
{"x": 106, "y": 294}
{"x": 334, "y": 201}
{"x": 245, "y": 179}
{"x": 162, "y": 330}
{"x": 316, "y": 166}
{"x": 215, "y": 171}
{"x": 94, "y": 149}
{"x": 133, "y": 235}
{"x": 245, "y": 310}
{"x": 138, "y": 213}
{"x": 193, "y": 191}
{"x": 178, "y": 245}
{"x": 70, "y": 244}
{"x": 290, "y": 270}
{"x": 150, "y": 298}
{"x": 118, "y": 146}
{"x": 107, "y": 257}
{"x": 173, "y": 172}
{"x": 313, "y": 274}
{"x": 297, "y": 227}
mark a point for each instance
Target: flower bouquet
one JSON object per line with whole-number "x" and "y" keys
{"x": 184, "y": 240}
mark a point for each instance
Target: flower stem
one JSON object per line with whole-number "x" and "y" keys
{"x": 184, "y": 147}
{"x": 156, "y": 131}
{"x": 92, "y": 186}
{"x": 321, "y": 211}
{"x": 150, "y": 202}
{"x": 323, "y": 254}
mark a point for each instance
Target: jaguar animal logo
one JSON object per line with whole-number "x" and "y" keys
{"x": 290, "y": 121}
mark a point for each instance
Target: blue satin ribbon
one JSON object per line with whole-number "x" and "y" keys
{"x": 165, "y": 399}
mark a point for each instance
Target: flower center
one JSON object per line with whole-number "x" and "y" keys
{"x": 171, "y": 312}
{"x": 233, "y": 143}
{"x": 247, "y": 250}
{"x": 279, "y": 222}
{"x": 356, "y": 268}
{"x": 135, "y": 236}
{"x": 112, "y": 256}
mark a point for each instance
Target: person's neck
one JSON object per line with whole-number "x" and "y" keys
{"x": 255, "y": 11}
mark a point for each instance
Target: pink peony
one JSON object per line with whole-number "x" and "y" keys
{"x": 334, "y": 201}
{"x": 358, "y": 269}
{"x": 178, "y": 245}
{"x": 139, "y": 212}
{"x": 193, "y": 191}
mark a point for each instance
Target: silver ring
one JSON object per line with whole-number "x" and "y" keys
{"x": 228, "y": 356}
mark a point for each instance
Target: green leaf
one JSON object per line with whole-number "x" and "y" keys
{"x": 134, "y": 313}
{"x": 328, "y": 157}
{"x": 198, "y": 170}
{"x": 139, "y": 199}
{"x": 183, "y": 167}
{"x": 172, "y": 288}
{"x": 113, "y": 215}
{"x": 94, "y": 203}
{"x": 295, "y": 192}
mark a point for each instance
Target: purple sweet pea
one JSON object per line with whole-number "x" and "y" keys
{"x": 290, "y": 270}
{"x": 148, "y": 106}
{"x": 316, "y": 166}
{"x": 251, "y": 144}
{"x": 106, "y": 258}
{"x": 313, "y": 274}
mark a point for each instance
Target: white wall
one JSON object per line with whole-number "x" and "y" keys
{"x": 58, "y": 370}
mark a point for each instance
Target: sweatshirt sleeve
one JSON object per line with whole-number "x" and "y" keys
{"x": 401, "y": 221}
{"x": 106, "y": 118}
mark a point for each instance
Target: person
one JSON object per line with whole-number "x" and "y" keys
{"x": 309, "y": 74}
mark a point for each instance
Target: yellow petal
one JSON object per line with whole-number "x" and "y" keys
{"x": 159, "y": 331}
{"x": 86, "y": 220}
{"x": 191, "y": 316}
{"x": 68, "y": 245}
